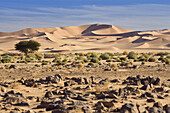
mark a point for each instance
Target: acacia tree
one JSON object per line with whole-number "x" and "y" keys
{"x": 27, "y": 46}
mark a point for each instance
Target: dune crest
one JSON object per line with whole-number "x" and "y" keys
{"x": 99, "y": 37}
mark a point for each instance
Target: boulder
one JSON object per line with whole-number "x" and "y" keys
{"x": 49, "y": 94}
{"x": 158, "y": 105}
{"x": 156, "y": 110}
{"x": 167, "y": 108}
{"x": 30, "y": 83}
{"x": 129, "y": 108}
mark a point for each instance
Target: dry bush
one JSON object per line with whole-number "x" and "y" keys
{"x": 114, "y": 66}
{"x": 80, "y": 65}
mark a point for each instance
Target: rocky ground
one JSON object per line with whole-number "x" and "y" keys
{"x": 144, "y": 89}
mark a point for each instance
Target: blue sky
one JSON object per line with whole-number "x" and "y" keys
{"x": 130, "y": 14}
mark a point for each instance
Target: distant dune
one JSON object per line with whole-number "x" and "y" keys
{"x": 99, "y": 37}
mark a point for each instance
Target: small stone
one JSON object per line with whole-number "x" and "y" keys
{"x": 145, "y": 87}
{"x": 158, "y": 105}
{"x": 108, "y": 104}
{"x": 157, "y": 82}
{"x": 48, "y": 94}
{"x": 156, "y": 110}
{"x": 150, "y": 100}
{"x": 167, "y": 108}
{"x": 22, "y": 104}
{"x": 129, "y": 108}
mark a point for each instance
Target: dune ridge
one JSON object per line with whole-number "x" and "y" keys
{"x": 87, "y": 37}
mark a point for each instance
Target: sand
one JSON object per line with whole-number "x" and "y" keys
{"x": 95, "y": 37}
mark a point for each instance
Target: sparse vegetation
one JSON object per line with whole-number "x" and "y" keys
{"x": 105, "y": 56}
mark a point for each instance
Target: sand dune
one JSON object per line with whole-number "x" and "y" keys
{"x": 86, "y": 38}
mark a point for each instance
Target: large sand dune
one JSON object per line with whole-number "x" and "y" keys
{"x": 99, "y": 37}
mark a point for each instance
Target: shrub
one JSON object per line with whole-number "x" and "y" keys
{"x": 79, "y": 58}
{"x": 80, "y": 65}
{"x": 162, "y": 53}
{"x": 28, "y": 59}
{"x": 123, "y": 58}
{"x": 142, "y": 58}
{"x": 82, "y": 62}
{"x": 37, "y": 65}
{"x": 113, "y": 65}
{"x": 161, "y": 58}
{"x": 56, "y": 59}
{"x": 86, "y": 60}
{"x": 81, "y": 54}
{"x": 94, "y": 55}
{"x": 143, "y": 62}
{"x": 167, "y": 61}
{"x": 125, "y": 53}
{"x": 90, "y": 63}
{"x": 132, "y": 55}
{"x": 108, "y": 60}
{"x": 118, "y": 60}
{"x": 152, "y": 59}
{"x": 44, "y": 62}
{"x": 95, "y": 60}
{"x": 39, "y": 56}
{"x": 105, "y": 56}
{"x": 168, "y": 57}
{"x": 64, "y": 62}
{"x": 7, "y": 59}
{"x": 50, "y": 55}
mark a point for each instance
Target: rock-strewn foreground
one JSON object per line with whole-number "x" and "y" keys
{"x": 95, "y": 37}
{"x": 59, "y": 93}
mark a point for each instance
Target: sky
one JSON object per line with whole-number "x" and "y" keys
{"x": 130, "y": 14}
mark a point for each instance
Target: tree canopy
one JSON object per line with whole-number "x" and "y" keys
{"x": 27, "y": 46}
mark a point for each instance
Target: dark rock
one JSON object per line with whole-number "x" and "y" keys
{"x": 67, "y": 83}
{"x": 140, "y": 108}
{"x": 87, "y": 81}
{"x": 12, "y": 67}
{"x": 51, "y": 107}
{"x": 115, "y": 80}
{"x": 22, "y": 104}
{"x": 55, "y": 92}
{"x": 30, "y": 83}
{"x": 59, "y": 111}
{"x": 79, "y": 80}
{"x": 43, "y": 104}
{"x": 150, "y": 100}
{"x": 145, "y": 87}
{"x": 86, "y": 109}
{"x": 101, "y": 95}
{"x": 158, "y": 105}
{"x": 152, "y": 95}
{"x": 160, "y": 89}
{"x": 54, "y": 78}
{"x": 121, "y": 92}
{"x": 157, "y": 82}
{"x": 156, "y": 110}
{"x": 144, "y": 82}
{"x": 167, "y": 108}
{"x": 129, "y": 108}
{"x": 160, "y": 97}
{"x": 81, "y": 98}
{"x": 108, "y": 69}
{"x": 48, "y": 94}
{"x": 111, "y": 95}
{"x": 108, "y": 104}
